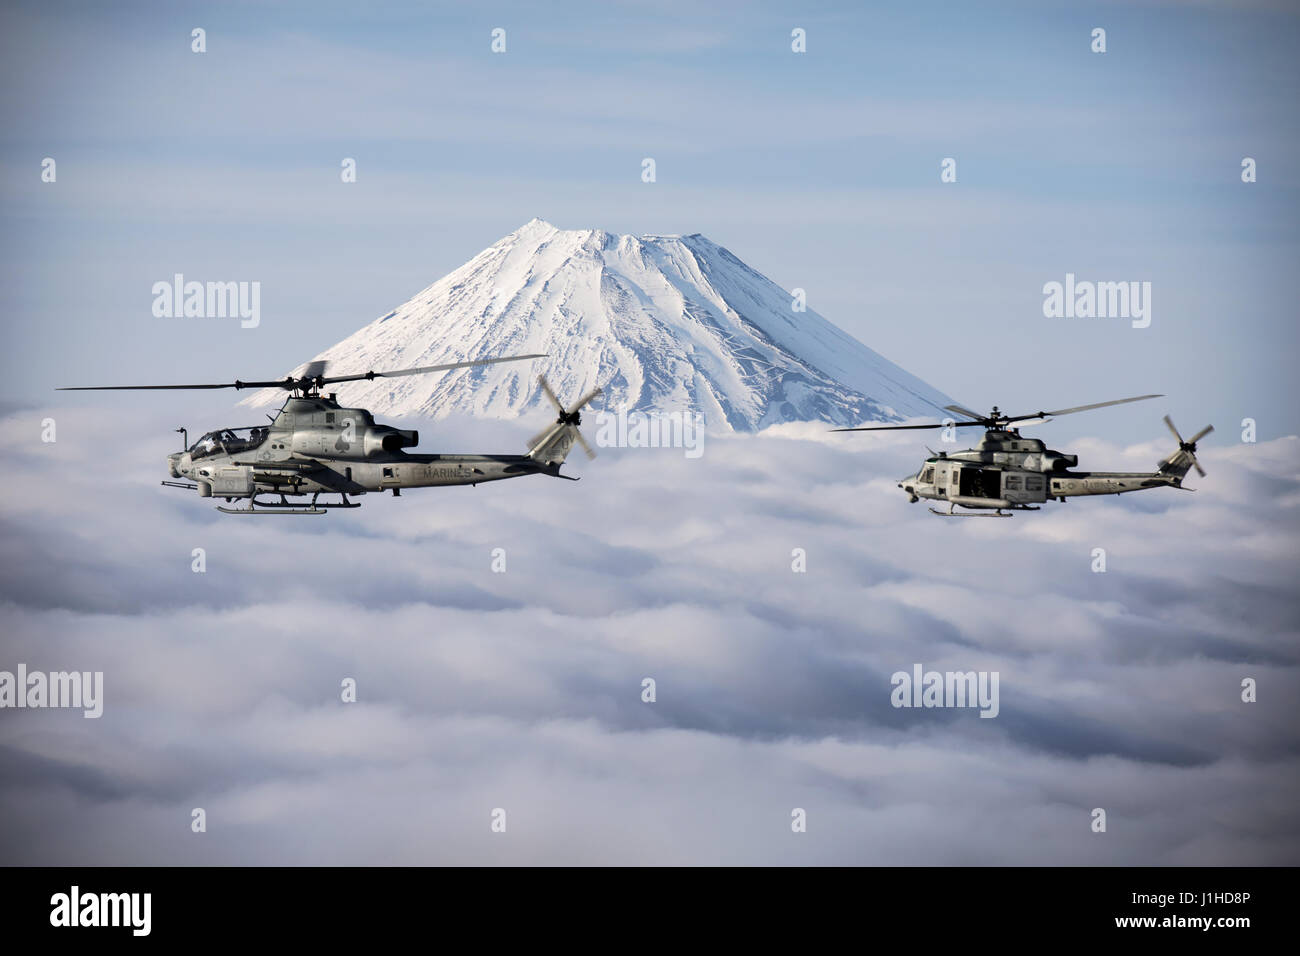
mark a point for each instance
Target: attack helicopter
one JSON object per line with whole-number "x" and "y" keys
{"x": 314, "y": 446}
{"x": 1008, "y": 472}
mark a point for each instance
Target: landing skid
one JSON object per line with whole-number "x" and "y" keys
{"x": 283, "y": 507}
{"x": 999, "y": 513}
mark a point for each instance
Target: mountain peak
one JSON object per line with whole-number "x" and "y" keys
{"x": 533, "y": 226}
{"x": 661, "y": 323}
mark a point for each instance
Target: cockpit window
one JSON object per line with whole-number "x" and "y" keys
{"x": 228, "y": 441}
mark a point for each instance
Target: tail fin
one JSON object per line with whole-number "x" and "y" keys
{"x": 552, "y": 444}
{"x": 1180, "y": 462}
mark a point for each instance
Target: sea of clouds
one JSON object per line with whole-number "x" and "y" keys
{"x": 522, "y": 690}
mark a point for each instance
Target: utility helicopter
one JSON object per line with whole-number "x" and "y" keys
{"x": 1007, "y": 472}
{"x": 314, "y": 446}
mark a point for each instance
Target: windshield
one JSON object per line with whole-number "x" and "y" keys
{"x": 228, "y": 441}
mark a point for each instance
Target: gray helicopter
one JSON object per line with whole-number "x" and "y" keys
{"x": 314, "y": 447}
{"x": 1007, "y": 472}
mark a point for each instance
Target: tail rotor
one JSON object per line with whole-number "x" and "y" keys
{"x": 1178, "y": 463}
{"x": 552, "y": 443}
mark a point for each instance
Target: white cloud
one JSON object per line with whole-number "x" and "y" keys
{"x": 522, "y": 690}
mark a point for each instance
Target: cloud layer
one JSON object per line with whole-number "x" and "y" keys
{"x": 522, "y": 690}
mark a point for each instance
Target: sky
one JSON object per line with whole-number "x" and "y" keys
{"x": 821, "y": 170}
{"x": 522, "y": 689}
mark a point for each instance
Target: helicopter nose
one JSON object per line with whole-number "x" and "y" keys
{"x": 173, "y": 461}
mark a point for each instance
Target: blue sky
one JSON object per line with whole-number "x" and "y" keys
{"x": 821, "y": 170}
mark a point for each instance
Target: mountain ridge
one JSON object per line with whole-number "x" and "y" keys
{"x": 661, "y": 323}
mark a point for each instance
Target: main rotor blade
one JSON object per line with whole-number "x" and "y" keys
{"x": 398, "y": 373}
{"x": 1084, "y": 408}
{"x": 886, "y": 428}
{"x": 278, "y": 383}
{"x": 583, "y": 442}
{"x": 293, "y": 382}
{"x": 963, "y": 411}
{"x": 1197, "y": 465}
{"x": 1202, "y": 433}
{"x": 984, "y": 421}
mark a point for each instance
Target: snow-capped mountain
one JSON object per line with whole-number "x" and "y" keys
{"x": 661, "y": 323}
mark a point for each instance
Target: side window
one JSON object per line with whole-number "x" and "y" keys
{"x": 1013, "y": 482}
{"x": 329, "y": 418}
{"x": 1034, "y": 483}
{"x": 928, "y": 476}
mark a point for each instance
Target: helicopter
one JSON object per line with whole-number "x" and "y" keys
{"x": 314, "y": 446}
{"x": 1007, "y": 472}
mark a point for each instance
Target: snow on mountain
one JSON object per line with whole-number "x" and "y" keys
{"x": 661, "y": 323}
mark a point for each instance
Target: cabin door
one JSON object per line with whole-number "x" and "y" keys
{"x": 981, "y": 482}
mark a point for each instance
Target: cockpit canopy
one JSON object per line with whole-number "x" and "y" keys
{"x": 228, "y": 441}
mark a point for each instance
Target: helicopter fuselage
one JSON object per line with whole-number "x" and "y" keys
{"x": 1008, "y": 471}
{"x": 315, "y": 446}
{"x": 227, "y": 476}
